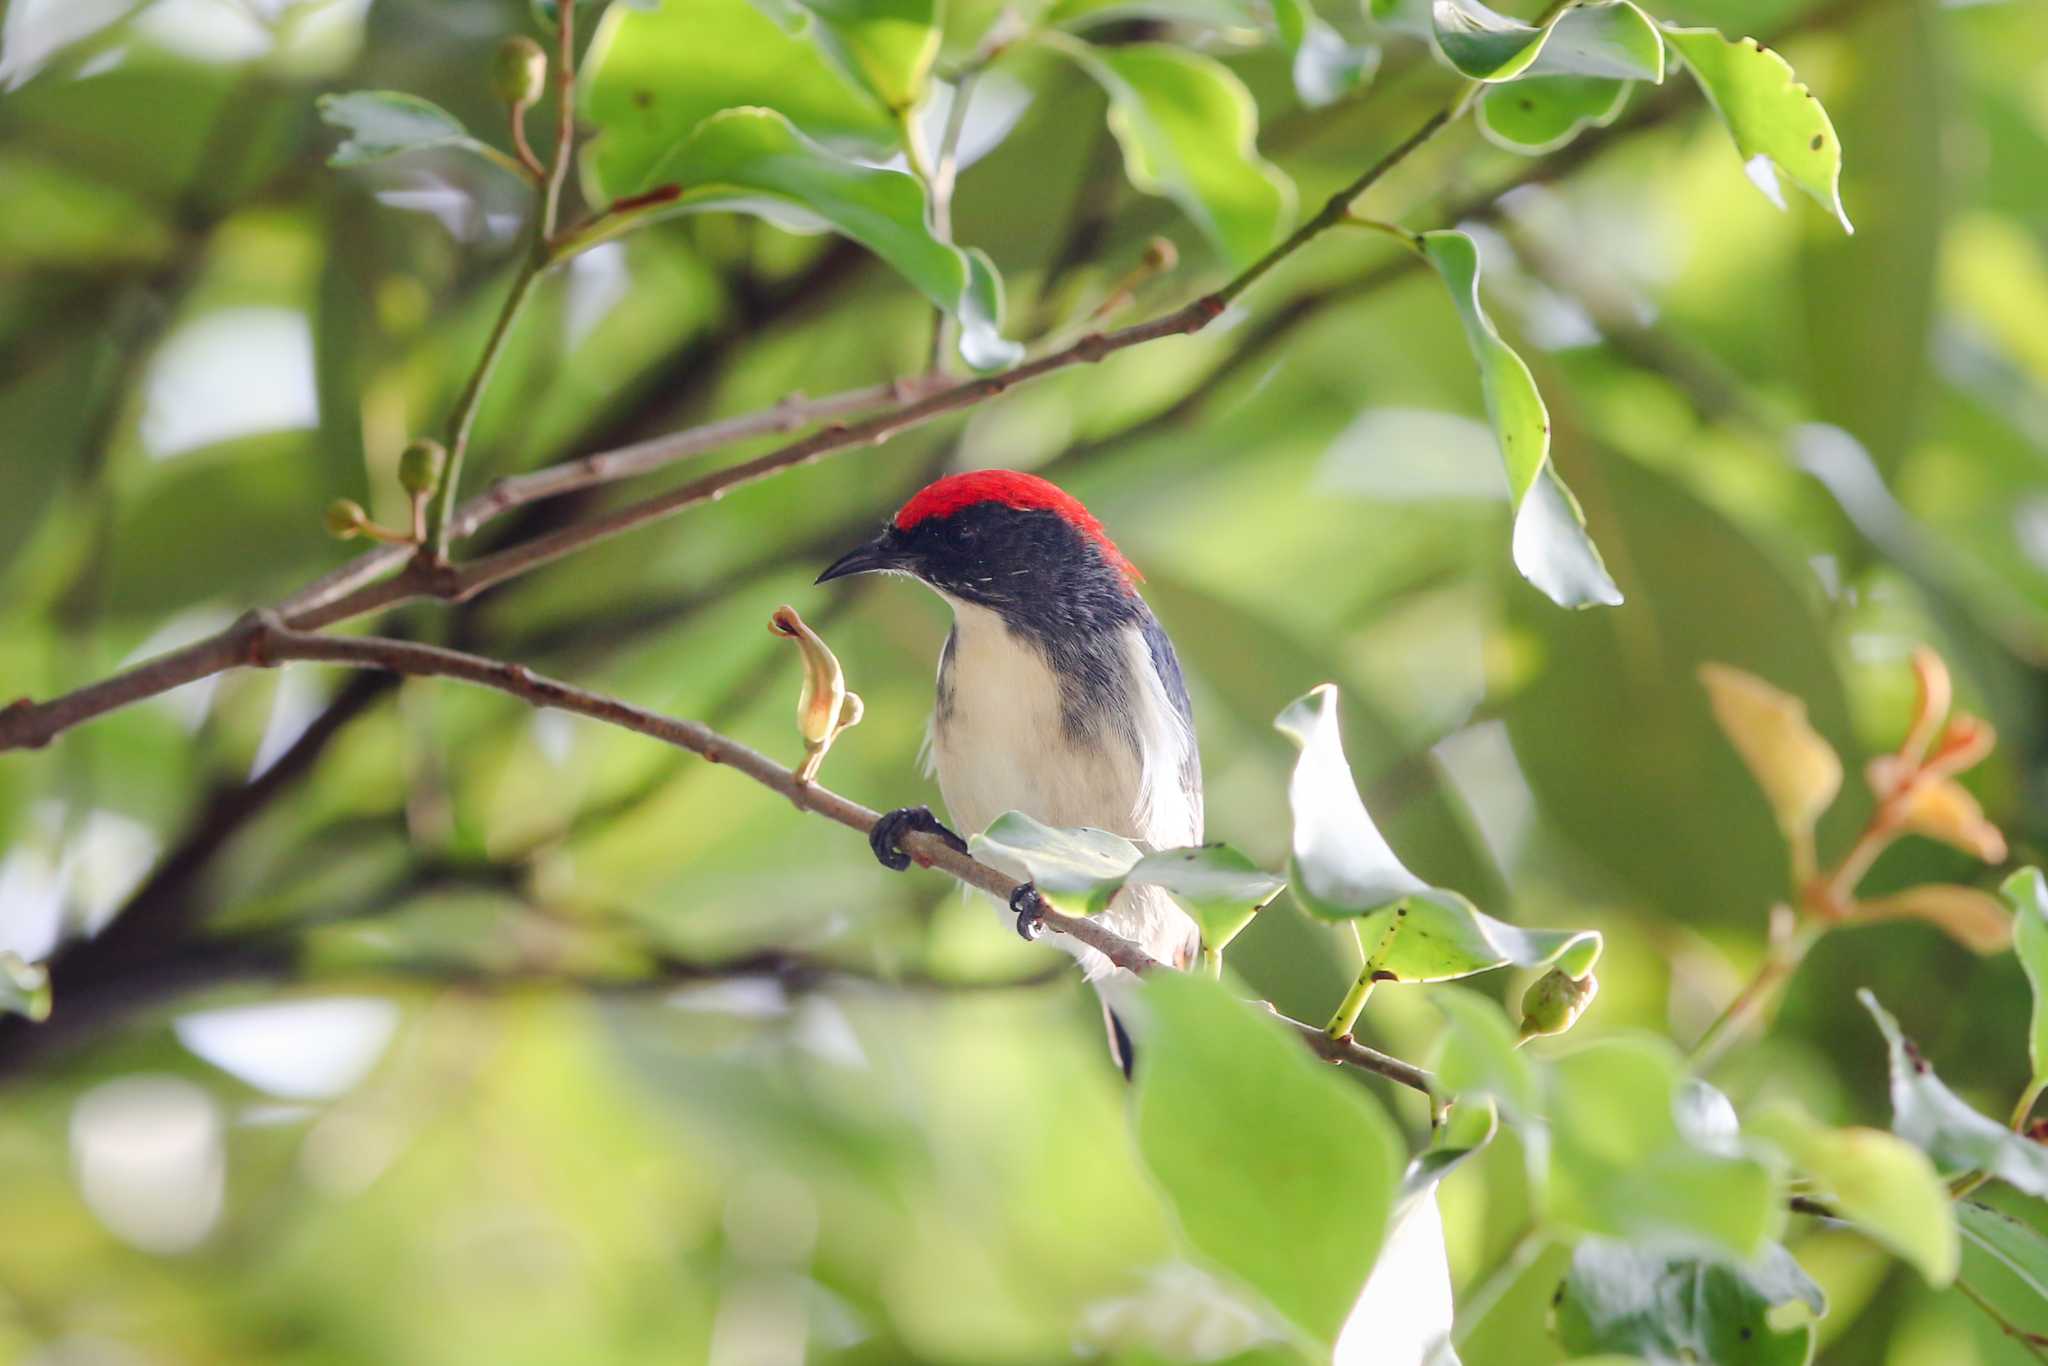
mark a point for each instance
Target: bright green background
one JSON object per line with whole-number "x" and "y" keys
{"x": 539, "y": 1172}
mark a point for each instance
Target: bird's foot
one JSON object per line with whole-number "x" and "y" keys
{"x": 886, "y": 838}
{"x": 1030, "y": 909}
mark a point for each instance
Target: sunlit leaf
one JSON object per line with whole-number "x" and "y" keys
{"x": 1551, "y": 547}
{"x": 1342, "y": 869}
{"x": 384, "y": 123}
{"x": 2027, "y": 893}
{"x": 1974, "y": 919}
{"x": 1282, "y": 1172}
{"x": 1929, "y": 1115}
{"x": 1187, "y": 127}
{"x": 1080, "y": 869}
{"x": 24, "y": 987}
{"x": 1878, "y": 1182}
{"x": 1543, "y": 113}
{"x": 649, "y": 78}
{"x": 885, "y": 45}
{"x": 1325, "y": 66}
{"x": 754, "y": 161}
{"x": 1799, "y": 771}
{"x": 1676, "y": 1310}
{"x": 1768, "y": 112}
{"x": 1623, "y": 1166}
{"x": 1613, "y": 40}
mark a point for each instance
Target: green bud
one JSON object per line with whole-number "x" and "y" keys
{"x": 419, "y": 469}
{"x": 519, "y": 70}
{"x": 1555, "y": 1001}
{"x": 346, "y": 519}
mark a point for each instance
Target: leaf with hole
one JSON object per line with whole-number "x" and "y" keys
{"x": 1188, "y": 129}
{"x": 1551, "y": 547}
{"x": 1877, "y": 1181}
{"x": 1671, "y": 1309}
{"x": 1935, "y": 1119}
{"x": 1282, "y": 1172}
{"x": 1768, "y": 113}
{"x": 1614, "y": 40}
{"x": 1543, "y": 113}
{"x": 1341, "y": 868}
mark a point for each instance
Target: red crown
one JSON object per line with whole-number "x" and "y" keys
{"x": 1014, "y": 489}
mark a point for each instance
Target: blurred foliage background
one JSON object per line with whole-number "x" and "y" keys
{"x": 494, "y": 1035}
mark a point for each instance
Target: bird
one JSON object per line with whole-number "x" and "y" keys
{"x": 1059, "y": 695}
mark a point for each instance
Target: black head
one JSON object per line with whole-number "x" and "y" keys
{"x": 1010, "y": 542}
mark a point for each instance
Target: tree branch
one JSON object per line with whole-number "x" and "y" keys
{"x": 269, "y": 642}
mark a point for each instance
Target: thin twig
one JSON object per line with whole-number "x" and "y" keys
{"x": 2036, "y": 1344}
{"x": 565, "y": 120}
{"x": 269, "y": 642}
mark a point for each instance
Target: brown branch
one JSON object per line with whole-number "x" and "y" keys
{"x": 269, "y": 642}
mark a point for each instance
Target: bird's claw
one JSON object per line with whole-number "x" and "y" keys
{"x": 886, "y": 838}
{"x": 1030, "y": 909}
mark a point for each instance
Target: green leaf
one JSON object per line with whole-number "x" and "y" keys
{"x": 1478, "y": 1057}
{"x": 1470, "y": 1126}
{"x": 887, "y": 46}
{"x": 24, "y": 987}
{"x": 1281, "y": 1171}
{"x": 755, "y": 161}
{"x": 1623, "y": 1165}
{"x": 1325, "y": 67}
{"x": 2017, "y": 1246}
{"x": 1187, "y": 127}
{"x": 384, "y": 123}
{"x": 1080, "y": 869}
{"x": 1543, "y": 113}
{"x": 1551, "y": 547}
{"x": 1341, "y": 868}
{"x": 650, "y": 78}
{"x": 1929, "y": 1115}
{"x": 1677, "y": 1310}
{"x": 1769, "y": 114}
{"x": 2027, "y": 893}
{"x": 1878, "y": 1182}
{"x": 1614, "y": 40}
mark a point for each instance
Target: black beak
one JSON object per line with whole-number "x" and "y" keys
{"x": 872, "y": 558}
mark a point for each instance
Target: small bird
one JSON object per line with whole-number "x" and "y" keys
{"x": 1059, "y": 695}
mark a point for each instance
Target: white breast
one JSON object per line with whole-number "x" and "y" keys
{"x": 999, "y": 742}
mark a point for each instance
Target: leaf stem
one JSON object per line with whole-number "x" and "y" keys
{"x": 565, "y": 124}
{"x": 1369, "y": 976}
{"x": 1790, "y": 942}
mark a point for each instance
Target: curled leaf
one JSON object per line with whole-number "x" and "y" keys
{"x": 1799, "y": 771}
{"x": 1930, "y": 1116}
{"x": 823, "y": 707}
{"x": 1972, "y": 918}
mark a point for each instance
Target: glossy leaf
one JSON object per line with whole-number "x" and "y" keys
{"x": 1623, "y": 1166}
{"x": 1768, "y": 112}
{"x": 886, "y": 46}
{"x": 1878, "y": 1182}
{"x": 1281, "y": 1171}
{"x": 1551, "y": 547}
{"x": 1974, "y": 919}
{"x": 24, "y": 987}
{"x": 755, "y": 161}
{"x": 1342, "y": 869}
{"x": 1799, "y": 771}
{"x": 1187, "y": 127}
{"x": 384, "y": 123}
{"x": 648, "y": 80}
{"x": 1929, "y": 1115}
{"x": 1080, "y": 869}
{"x": 2018, "y": 1247}
{"x": 1613, "y": 40}
{"x": 1677, "y": 1310}
{"x": 2027, "y": 893}
{"x": 1540, "y": 114}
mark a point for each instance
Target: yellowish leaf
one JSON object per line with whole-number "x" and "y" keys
{"x": 1797, "y": 769}
{"x": 1943, "y": 809}
{"x": 1976, "y": 920}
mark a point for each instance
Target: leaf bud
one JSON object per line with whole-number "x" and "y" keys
{"x": 519, "y": 71}
{"x": 1554, "y": 1002}
{"x": 346, "y": 519}
{"x": 419, "y": 469}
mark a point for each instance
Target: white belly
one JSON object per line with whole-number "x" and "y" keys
{"x": 1002, "y": 744}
